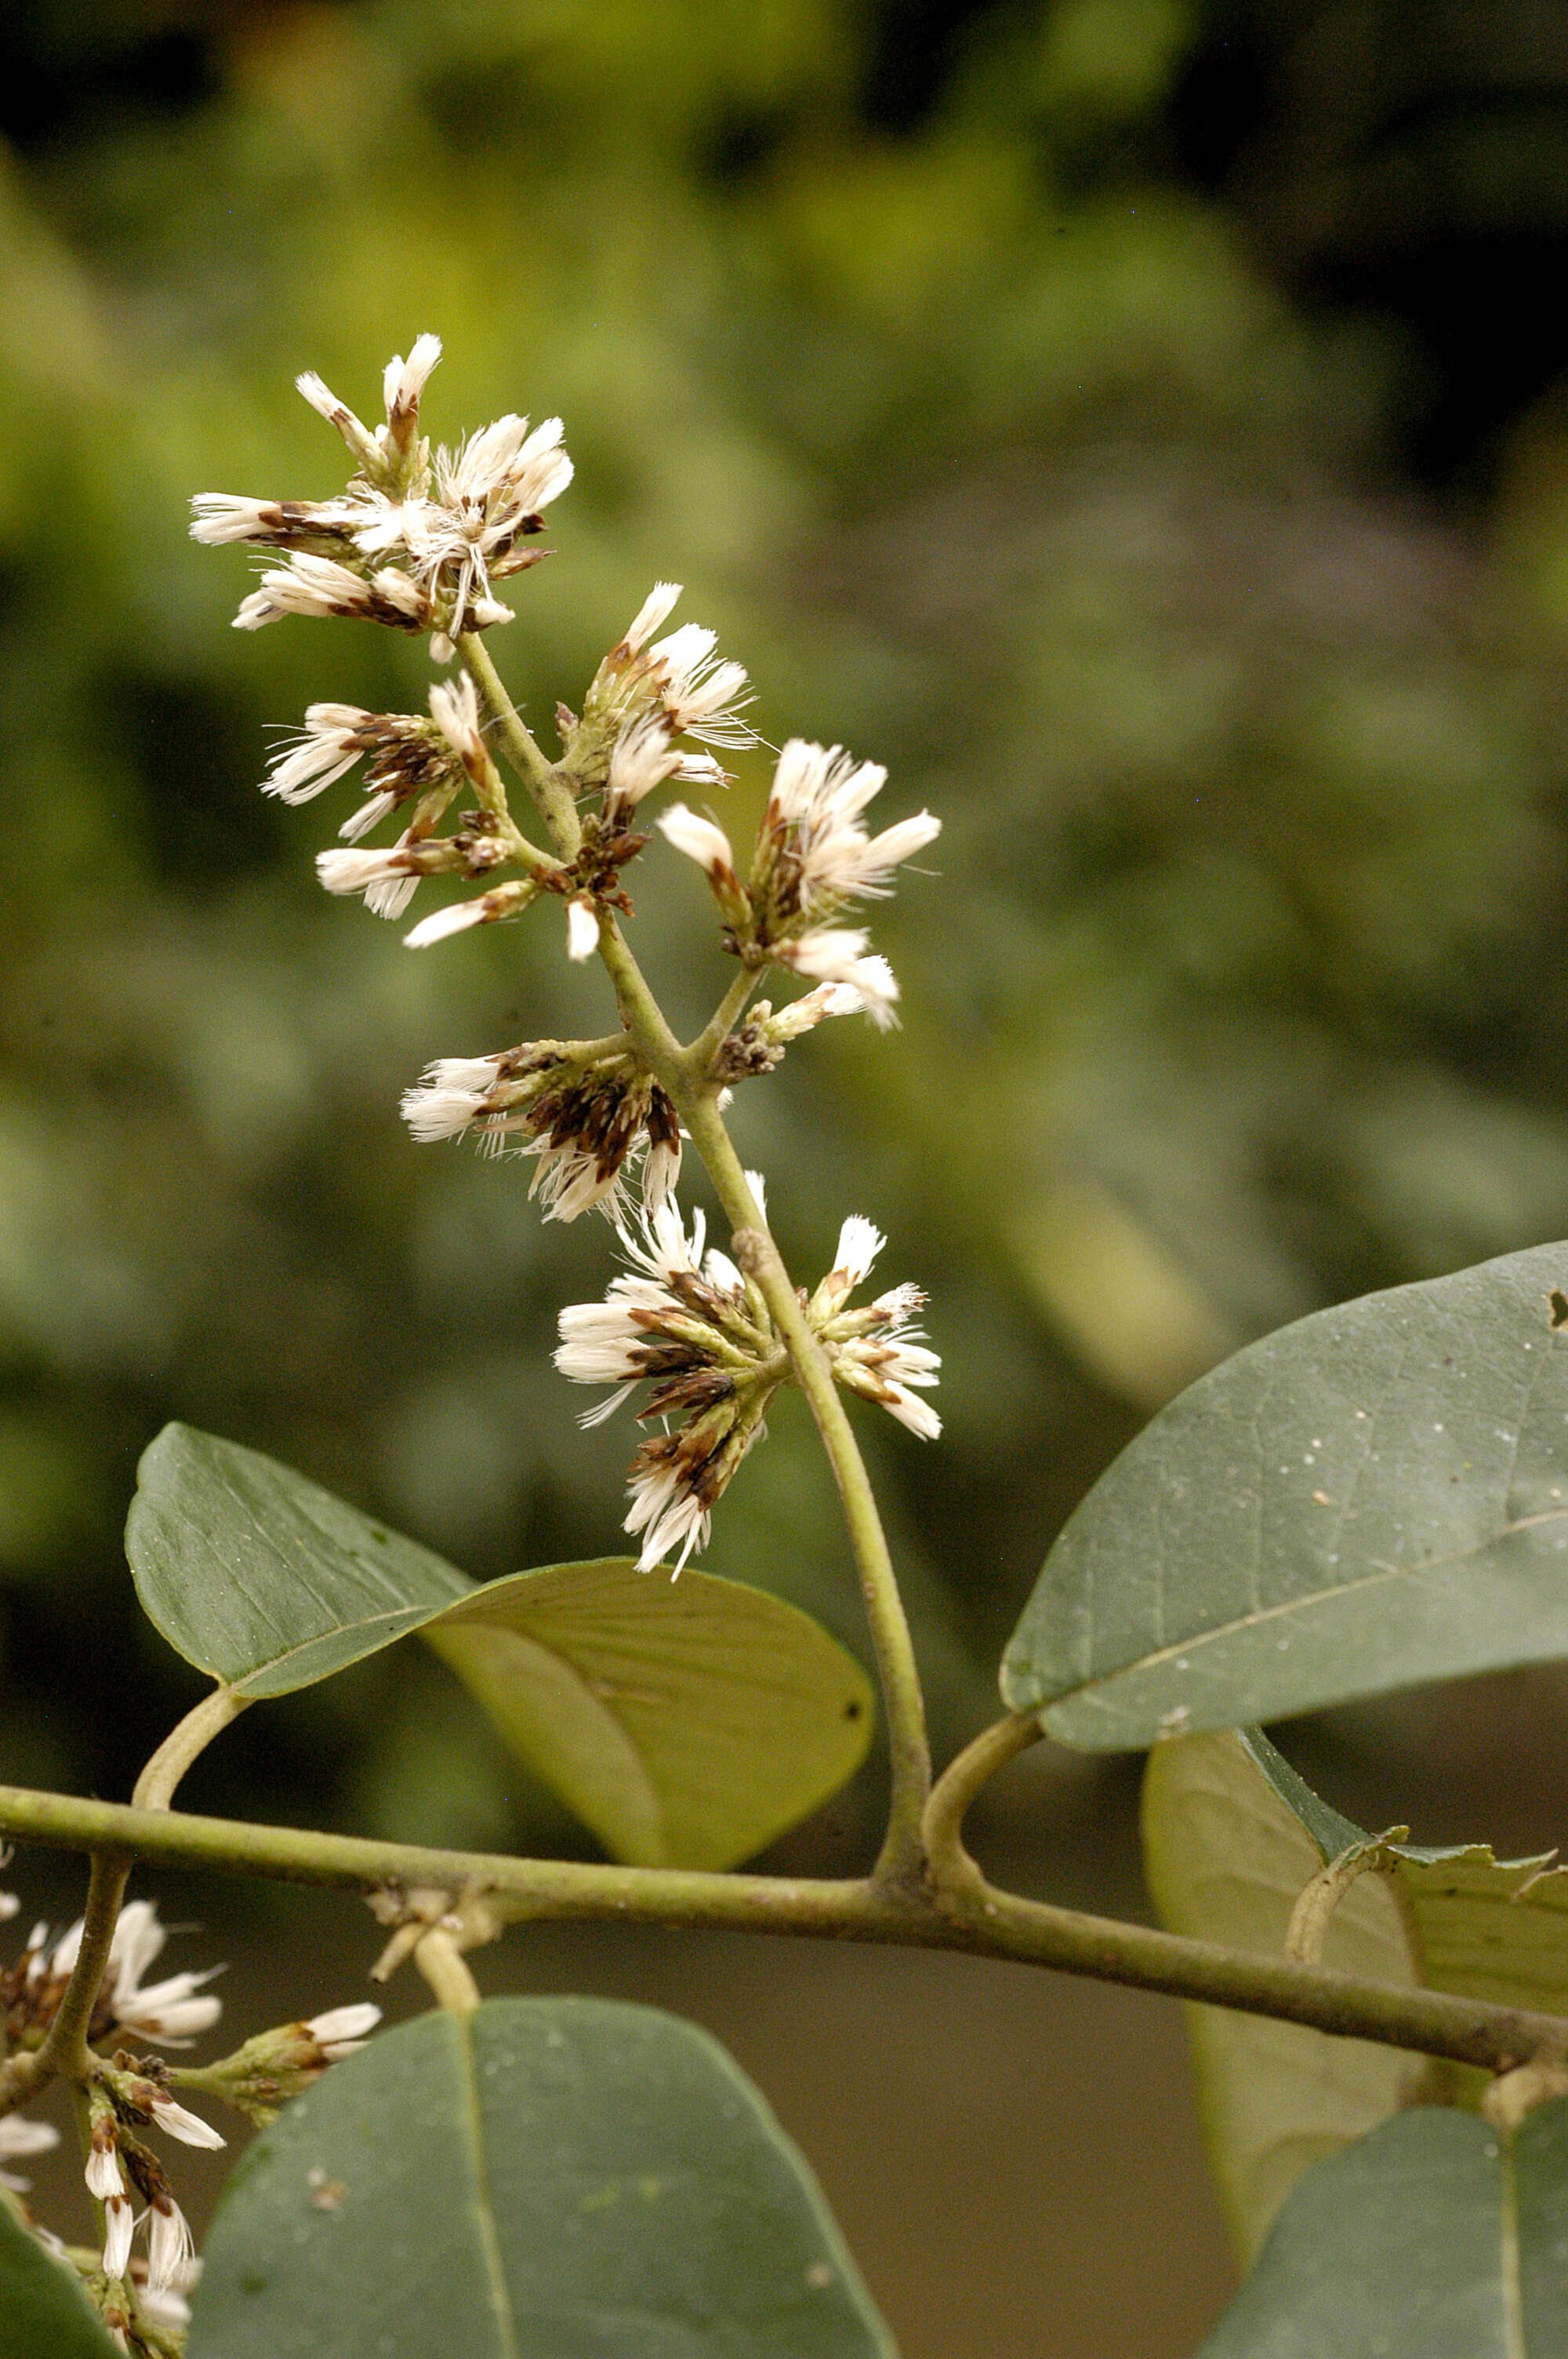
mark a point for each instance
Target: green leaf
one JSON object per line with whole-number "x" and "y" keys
{"x": 43, "y": 2309}
{"x": 544, "y": 2179}
{"x": 687, "y": 1722}
{"x": 1375, "y": 1496}
{"x": 1436, "y": 2237}
{"x": 264, "y": 1578}
{"x": 1231, "y": 1836}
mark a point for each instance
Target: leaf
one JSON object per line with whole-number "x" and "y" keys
{"x": 264, "y": 1578}
{"x": 1436, "y": 2237}
{"x": 42, "y": 2306}
{"x": 686, "y": 1723}
{"x": 1374, "y": 1496}
{"x": 1231, "y": 1835}
{"x": 542, "y": 2179}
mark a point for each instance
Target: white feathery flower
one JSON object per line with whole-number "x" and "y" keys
{"x": 319, "y": 586}
{"x": 641, "y": 759}
{"x": 307, "y": 585}
{"x": 877, "y": 1352}
{"x": 817, "y": 797}
{"x": 700, "y": 839}
{"x": 803, "y": 1015}
{"x": 691, "y": 1326}
{"x": 402, "y": 381}
{"x": 860, "y": 1242}
{"x": 170, "y": 2245}
{"x": 702, "y": 696}
{"x": 169, "y": 2012}
{"x": 342, "y": 2030}
{"x": 119, "y": 2221}
{"x": 582, "y": 928}
{"x": 103, "y": 2174}
{"x": 357, "y": 872}
{"x": 700, "y": 770}
{"x": 836, "y": 954}
{"x": 454, "y": 919}
{"x": 656, "y": 609}
{"x": 19, "y": 2138}
{"x": 9, "y": 1905}
{"x": 331, "y": 741}
{"x": 449, "y": 1095}
{"x": 224, "y": 516}
{"x": 454, "y": 709}
{"x": 187, "y": 2127}
{"x": 668, "y": 1515}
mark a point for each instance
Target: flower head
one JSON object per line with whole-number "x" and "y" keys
{"x": 412, "y": 541}
{"x": 688, "y": 1323}
{"x": 585, "y": 1117}
{"x": 877, "y": 1352}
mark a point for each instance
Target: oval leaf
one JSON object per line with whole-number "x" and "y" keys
{"x": 43, "y": 2309}
{"x": 1375, "y": 1496}
{"x": 1435, "y": 2238}
{"x": 687, "y": 1722}
{"x": 1231, "y": 1835}
{"x": 1225, "y": 1859}
{"x": 264, "y": 1578}
{"x": 558, "y": 2176}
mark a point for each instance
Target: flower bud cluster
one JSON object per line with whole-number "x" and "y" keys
{"x": 698, "y": 1331}
{"x": 811, "y": 859}
{"x": 413, "y": 542}
{"x": 581, "y": 1111}
{"x": 260, "y": 2076}
{"x": 142, "y": 2294}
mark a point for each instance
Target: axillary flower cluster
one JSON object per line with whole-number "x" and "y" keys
{"x": 140, "y": 2288}
{"x": 418, "y": 542}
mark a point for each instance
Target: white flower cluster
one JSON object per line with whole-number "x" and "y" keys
{"x": 585, "y": 1116}
{"x": 688, "y": 1323}
{"x": 124, "y": 2097}
{"x": 414, "y": 542}
{"x": 812, "y": 859}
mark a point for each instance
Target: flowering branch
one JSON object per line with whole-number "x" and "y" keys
{"x": 961, "y": 1911}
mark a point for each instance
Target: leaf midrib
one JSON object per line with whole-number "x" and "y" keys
{"x": 484, "y": 2212}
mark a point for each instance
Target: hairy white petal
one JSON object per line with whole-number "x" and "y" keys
{"x": 582, "y": 928}
{"x": 442, "y": 922}
{"x": 698, "y": 838}
{"x": 187, "y": 2127}
{"x": 655, "y": 608}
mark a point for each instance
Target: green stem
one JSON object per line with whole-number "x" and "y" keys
{"x": 978, "y": 1918}
{"x": 555, "y": 805}
{"x": 446, "y": 1970}
{"x": 155, "y": 1788}
{"x": 65, "y": 2049}
{"x": 684, "y": 1074}
{"x": 903, "y": 1857}
{"x": 700, "y": 1056}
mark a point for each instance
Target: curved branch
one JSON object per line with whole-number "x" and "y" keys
{"x": 979, "y": 1918}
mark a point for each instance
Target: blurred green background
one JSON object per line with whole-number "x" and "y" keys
{"x": 1143, "y": 424}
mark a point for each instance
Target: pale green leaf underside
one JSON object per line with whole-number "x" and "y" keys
{"x": 43, "y": 2314}
{"x": 1434, "y": 2238}
{"x": 1231, "y": 1835}
{"x": 687, "y": 1722}
{"x": 545, "y": 2178}
{"x": 1374, "y": 1496}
